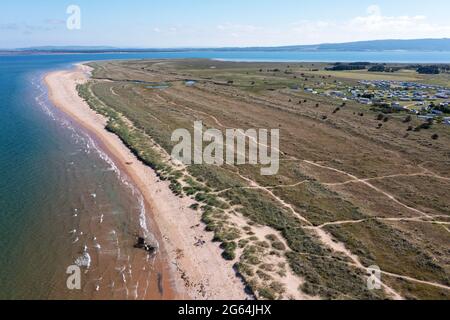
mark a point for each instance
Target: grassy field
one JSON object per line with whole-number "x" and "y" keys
{"x": 273, "y": 226}
{"x": 364, "y": 75}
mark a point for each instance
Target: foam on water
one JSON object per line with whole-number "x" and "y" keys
{"x": 89, "y": 144}
{"x": 84, "y": 261}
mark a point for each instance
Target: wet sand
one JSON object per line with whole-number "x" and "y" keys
{"x": 182, "y": 269}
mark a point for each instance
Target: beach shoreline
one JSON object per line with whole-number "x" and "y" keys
{"x": 191, "y": 272}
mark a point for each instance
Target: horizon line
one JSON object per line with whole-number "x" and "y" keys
{"x": 110, "y": 47}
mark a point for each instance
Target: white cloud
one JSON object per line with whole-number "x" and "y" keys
{"x": 377, "y": 24}
{"x": 372, "y": 25}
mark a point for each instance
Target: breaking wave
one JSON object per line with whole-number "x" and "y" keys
{"x": 89, "y": 145}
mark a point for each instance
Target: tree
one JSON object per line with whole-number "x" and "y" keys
{"x": 377, "y": 68}
{"x": 344, "y": 67}
{"x": 407, "y": 119}
{"x": 428, "y": 70}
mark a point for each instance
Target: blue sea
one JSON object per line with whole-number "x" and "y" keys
{"x": 62, "y": 199}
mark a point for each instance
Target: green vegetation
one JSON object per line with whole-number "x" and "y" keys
{"x": 428, "y": 70}
{"x": 380, "y": 244}
{"x": 258, "y": 95}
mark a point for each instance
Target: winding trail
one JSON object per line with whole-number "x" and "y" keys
{"x": 433, "y": 174}
{"x": 326, "y": 238}
{"x": 255, "y": 185}
{"x": 363, "y": 181}
{"x": 430, "y": 283}
{"x": 376, "y": 178}
{"x": 415, "y": 219}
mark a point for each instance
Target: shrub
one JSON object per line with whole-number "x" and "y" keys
{"x": 229, "y": 250}
{"x": 377, "y": 68}
{"x": 245, "y": 269}
{"x": 194, "y": 206}
{"x": 427, "y": 125}
{"x": 271, "y": 237}
{"x": 263, "y": 276}
{"x": 278, "y": 245}
{"x": 277, "y": 287}
{"x": 428, "y": 70}
{"x": 267, "y": 293}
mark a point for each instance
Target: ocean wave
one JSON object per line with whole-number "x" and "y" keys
{"x": 84, "y": 261}
{"x": 89, "y": 145}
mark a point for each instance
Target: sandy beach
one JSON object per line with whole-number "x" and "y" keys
{"x": 193, "y": 272}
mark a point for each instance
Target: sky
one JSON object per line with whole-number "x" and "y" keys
{"x": 214, "y": 23}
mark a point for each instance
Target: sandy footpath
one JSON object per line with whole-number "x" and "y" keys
{"x": 197, "y": 272}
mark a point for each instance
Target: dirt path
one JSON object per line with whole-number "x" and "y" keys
{"x": 286, "y": 205}
{"x": 326, "y": 238}
{"x": 363, "y": 181}
{"x": 338, "y": 247}
{"x": 416, "y": 219}
{"x": 376, "y": 178}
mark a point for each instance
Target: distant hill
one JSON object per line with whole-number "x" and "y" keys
{"x": 376, "y": 45}
{"x": 67, "y": 48}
